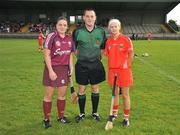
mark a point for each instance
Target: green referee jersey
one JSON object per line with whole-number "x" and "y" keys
{"x": 89, "y": 44}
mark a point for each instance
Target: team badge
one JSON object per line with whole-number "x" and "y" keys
{"x": 58, "y": 43}
{"x": 121, "y": 46}
{"x": 109, "y": 47}
{"x": 63, "y": 81}
{"x": 97, "y": 42}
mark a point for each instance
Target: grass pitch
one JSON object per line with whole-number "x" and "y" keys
{"x": 155, "y": 103}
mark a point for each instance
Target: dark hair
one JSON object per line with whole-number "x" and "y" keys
{"x": 61, "y": 18}
{"x": 89, "y": 9}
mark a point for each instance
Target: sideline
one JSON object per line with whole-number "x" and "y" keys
{"x": 159, "y": 70}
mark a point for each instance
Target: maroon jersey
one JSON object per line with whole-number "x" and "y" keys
{"x": 60, "y": 48}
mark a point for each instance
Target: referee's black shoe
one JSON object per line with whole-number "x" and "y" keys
{"x": 96, "y": 116}
{"x": 80, "y": 117}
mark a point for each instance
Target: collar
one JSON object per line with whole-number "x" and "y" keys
{"x": 119, "y": 36}
{"x": 60, "y": 36}
{"x": 92, "y": 29}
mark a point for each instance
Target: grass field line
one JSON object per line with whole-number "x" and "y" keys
{"x": 160, "y": 71}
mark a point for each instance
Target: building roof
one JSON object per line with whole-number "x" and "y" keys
{"x": 121, "y": 5}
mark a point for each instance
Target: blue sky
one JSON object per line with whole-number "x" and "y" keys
{"x": 174, "y": 14}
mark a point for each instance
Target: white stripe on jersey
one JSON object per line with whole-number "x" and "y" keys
{"x": 48, "y": 39}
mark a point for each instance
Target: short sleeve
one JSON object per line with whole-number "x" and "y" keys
{"x": 106, "y": 52}
{"x": 75, "y": 39}
{"x": 129, "y": 44}
{"x": 73, "y": 46}
{"x": 49, "y": 41}
{"x": 102, "y": 46}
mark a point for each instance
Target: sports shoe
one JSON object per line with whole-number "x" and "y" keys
{"x": 96, "y": 116}
{"x": 80, "y": 117}
{"x": 47, "y": 124}
{"x": 114, "y": 117}
{"x": 125, "y": 123}
{"x": 63, "y": 120}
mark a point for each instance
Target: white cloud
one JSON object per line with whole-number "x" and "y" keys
{"x": 174, "y": 14}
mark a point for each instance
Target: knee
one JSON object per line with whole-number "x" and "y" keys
{"x": 125, "y": 96}
{"x": 61, "y": 97}
{"x": 48, "y": 97}
{"x": 95, "y": 90}
{"x": 117, "y": 92}
{"x": 82, "y": 91}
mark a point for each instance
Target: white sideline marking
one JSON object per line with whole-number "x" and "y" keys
{"x": 159, "y": 70}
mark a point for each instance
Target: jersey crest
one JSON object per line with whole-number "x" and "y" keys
{"x": 121, "y": 46}
{"x": 97, "y": 42}
{"x": 58, "y": 43}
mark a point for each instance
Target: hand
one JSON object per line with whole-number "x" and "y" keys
{"x": 129, "y": 62}
{"x": 70, "y": 72}
{"x": 74, "y": 98}
{"x": 52, "y": 75}
{"x": 76, "y": 52}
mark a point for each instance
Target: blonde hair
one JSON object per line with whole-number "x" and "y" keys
{"x": 114, "y": 21}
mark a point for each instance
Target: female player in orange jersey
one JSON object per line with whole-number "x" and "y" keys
{"x": 41, "y": 38}
{"x": 119, "y": 50}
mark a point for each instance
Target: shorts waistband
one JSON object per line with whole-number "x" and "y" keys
{"x": 83, "y": 61}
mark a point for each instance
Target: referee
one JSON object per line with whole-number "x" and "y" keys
{"x": 90, "y": 42}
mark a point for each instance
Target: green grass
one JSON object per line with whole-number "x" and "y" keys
{"x": 154, "y": 96}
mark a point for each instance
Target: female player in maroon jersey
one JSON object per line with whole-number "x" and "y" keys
{"x": 58, "y": 49}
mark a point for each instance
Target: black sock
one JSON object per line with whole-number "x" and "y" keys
{"x": 82, "y": 101}
{"x": 95, "y": 101}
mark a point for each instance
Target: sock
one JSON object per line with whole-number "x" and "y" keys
{"x": 61, "y": 108}
{"x": 126, "y": 114}
{"x": 47, "y": 109}
{"x": 95, "y": 101}
{"x": 82, "y": 101}
{"x": 115, "y": 110}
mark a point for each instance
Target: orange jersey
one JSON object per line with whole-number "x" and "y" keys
{"x": 40, "y": 36}
{"x": 117, "y": 51}
{"x": 40, "y": 39}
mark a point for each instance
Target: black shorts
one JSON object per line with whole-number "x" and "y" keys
{"x": 89, "y": 72}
